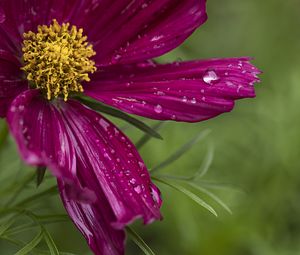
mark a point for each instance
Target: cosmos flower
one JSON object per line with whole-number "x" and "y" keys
{"x": 54, "y": 50}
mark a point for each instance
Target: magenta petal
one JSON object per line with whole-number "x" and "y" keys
{"x": 105, "y": 153}
{"x": 187, "y": 91}
{"x": 41, "y": 135}
{"x": 11, "y": 83}
{"x": 19, "y": 16}
{"x": 94, "y": 222}
{"x": 87, "y": 153}
{"x": 131, "y": 31}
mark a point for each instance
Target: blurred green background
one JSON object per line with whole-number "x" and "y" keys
{"x": 257, "y": 146}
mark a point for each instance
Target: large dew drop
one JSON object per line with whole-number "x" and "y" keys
{"x": 210, "y": 77}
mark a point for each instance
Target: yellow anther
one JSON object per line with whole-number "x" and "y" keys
{"x": 57, "y": 59}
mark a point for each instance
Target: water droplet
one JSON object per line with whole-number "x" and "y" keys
{"x": 239, "y": 89}
{"x": 104, "y": 124}
{"x": 194, "y": 101}
{"x": 141, "y": 164}
{"x": 158, "y": 109}
{"x": 184, "y": 99}
{"x": 229, "y": 84}
{"x": 160, "y": 93}
{"x": 155, "y": 195}
{"x": 145, "y": 5}
{"x": 133, "y": 181}
{"x": 210, "y": 76}
{"x": 138, "y": 189}
{"x": 156, "y": 38}
{"x": 116, "y": 59}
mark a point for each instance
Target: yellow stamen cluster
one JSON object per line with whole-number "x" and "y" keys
{"x": 57, "y": 59}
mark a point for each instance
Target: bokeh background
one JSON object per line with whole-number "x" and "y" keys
{"x": 256, "y": 147}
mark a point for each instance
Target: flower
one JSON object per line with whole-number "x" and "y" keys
{"x": 53, "y": 50}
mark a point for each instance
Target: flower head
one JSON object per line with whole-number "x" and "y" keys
{"x": 51, "y": 50}
{"x": 57, "y": 59}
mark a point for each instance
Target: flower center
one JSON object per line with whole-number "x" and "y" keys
{"x": 57, "y": 59}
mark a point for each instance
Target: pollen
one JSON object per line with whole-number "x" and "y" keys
{"x": 57, "y": 59}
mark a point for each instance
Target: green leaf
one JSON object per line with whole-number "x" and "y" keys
{"x": 42, "y": 220}
{"x": 147, "y": 137}
{"x": 220, "y": 186}
{"x": 48, "y": 192}
{"x": 211, "y": 195}
{"x": 52, "y": 218}
{"x": 199, "y": 174}
{"x": 181, "y": 151}
{"x": 3, "y": 134}
{"x": 34, "y": 251}
{"x": 20, "y": 229}
{"x": 7, "y": 224}
{"x": 21, "y": 187}
{"x": 31, "y": 245}
{"x": 40, "y": 174}
{"x": 139, "y": 241}
{"x": 51, "y": 245}
{"x": 97, "y": 106}
{"x": 205, "y": 165}
{"x": 189, "y": 194}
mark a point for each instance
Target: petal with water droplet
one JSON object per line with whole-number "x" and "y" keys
{"x": 192, "y": 91}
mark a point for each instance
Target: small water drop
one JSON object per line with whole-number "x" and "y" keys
{"x": 184, "y": 99}
{"x": 141, "y": 164}
{"x": 239, "y": 89}
{"x": 229, "y": 84}
{"x": 155, "y": 195}
{"x": 138, "y": 189}
{"x": 160, "y": 93}
{"x": 116, "y": 59}
{"x": 158, "y": 109}
{"x": 133, "y": 181}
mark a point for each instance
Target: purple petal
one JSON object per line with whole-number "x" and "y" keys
{"x": 19, "y": 16}
{"x": 84, "y": 149}
{"x": 121, "y": 31}
{"x": 94, "y": 222}
{"x": 188, "y": 91}
{"x": 11, "y": 82}
{"x": 131, "y": 31}
{"x": 41, "y": 134}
